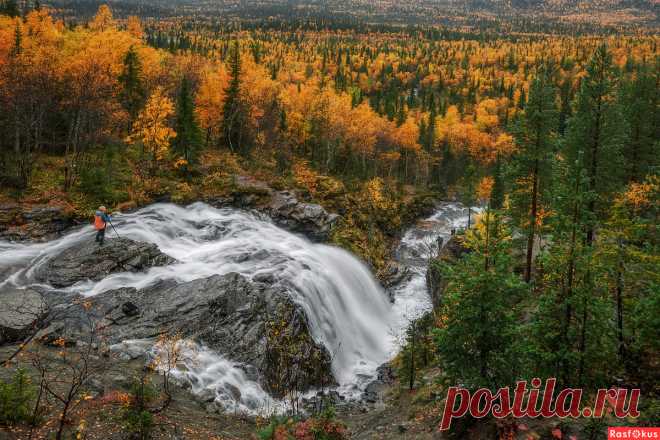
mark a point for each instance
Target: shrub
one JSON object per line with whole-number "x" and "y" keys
{"x": 16, "y": 398}
{"x": 323, "y": 427}
{"x": 99, "y": 185}
{"x": 139, "y": 423}
{"x": 138, "y": 419}
{"x": 268, "y": 432}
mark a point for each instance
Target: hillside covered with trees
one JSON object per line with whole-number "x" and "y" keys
{"x": 553, "y": 137}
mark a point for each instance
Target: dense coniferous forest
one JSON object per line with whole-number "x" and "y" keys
{"x": 551, "y": 133}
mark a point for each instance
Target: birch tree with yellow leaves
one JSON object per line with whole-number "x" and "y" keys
{"x": 151, "y": 130}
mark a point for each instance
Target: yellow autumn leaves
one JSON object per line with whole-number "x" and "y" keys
{"x": 151, "y": 129}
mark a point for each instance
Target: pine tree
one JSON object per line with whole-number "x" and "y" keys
{"x": 417, "y": 352}
{"x": 133, "y": 95}
{"x": 234, "y": 122}
{"x": 565, "y": 106}
{"x": 188, "y": 141}
{"x": 532, "y": 164}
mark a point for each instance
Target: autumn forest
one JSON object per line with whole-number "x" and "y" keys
{"x": 551, "y": 139}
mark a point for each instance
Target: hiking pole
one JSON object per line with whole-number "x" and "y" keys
{"x": 113, "y": 228}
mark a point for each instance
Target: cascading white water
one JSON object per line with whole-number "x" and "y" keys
{"x": 417, "y": 246}
{"x": 346, "y": 308}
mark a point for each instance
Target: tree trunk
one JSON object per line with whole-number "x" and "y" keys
{"x": 583, "y": 341}
{"x": 593, "y": 172}
{"x": 570, "y": 276}
{"x": 532, "y": 222}
{"x": 60, "y": 429}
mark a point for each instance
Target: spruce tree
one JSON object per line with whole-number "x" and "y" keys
{"x": 10, "y": 8}
{"x": 469, "y": 187}
{"x": 497, "y": 193}
{"x": 639, "y": 100}
{"x": 234, "y": 121}
{"x": 429, "y": 141}
{"x": 596, "y": 133}
{"x": 535, "y": 135}
{"x": 188, "y": 141}
{"x": 17, "y": 48}
{"x": 571, "y": 330}
{"x": 478, "y": 343}
{"x": 133, "y": 94}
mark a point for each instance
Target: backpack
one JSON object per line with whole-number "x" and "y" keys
{"x": 98, "y": 222}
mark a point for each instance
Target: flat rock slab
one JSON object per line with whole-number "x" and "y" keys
{"x": 88, "y": 260}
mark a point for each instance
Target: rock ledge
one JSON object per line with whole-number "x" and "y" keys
{"x": 88, "y": 260}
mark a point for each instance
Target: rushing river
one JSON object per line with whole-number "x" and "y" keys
{"x": 347, "y": 309}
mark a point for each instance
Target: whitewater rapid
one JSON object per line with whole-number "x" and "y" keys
{"x": 347, "y": 309}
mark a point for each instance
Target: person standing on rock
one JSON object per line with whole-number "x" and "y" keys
{"x": 101, "y": 220}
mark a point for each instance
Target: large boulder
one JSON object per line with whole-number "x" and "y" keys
{"x": 394, "y": 274}
{"x": 286, "y": 210}
{"x": 246, "y": 321}
{"x": 88, "y": 260}
{"x": 306, "y": 218}
{"x": 19, "y": 223}
{"x": 20, "y": 311}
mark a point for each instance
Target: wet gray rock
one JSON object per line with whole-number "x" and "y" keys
{"x": 130, "y": 309}
{"x": 213, "y": 408}
{"x": 374, "y": 392}
{"x": 230, "y": 314}
{"x": 306, "y": 218}
{"x": 394, "y": 274}
{"x": 20, "y": 311}
{"x": 88, "y": 260}
{"x": 323, "y": 399}
{"x": 18, "y": 223}
{"x": 206, "y": 395}
{"x": 125, "y": 350}
{"x": 234, "y": 392}
{"x": 386, "y": 373}
{"x": 286, "y": 210}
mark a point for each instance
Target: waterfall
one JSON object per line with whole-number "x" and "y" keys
{"x": 346, "y": 308}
